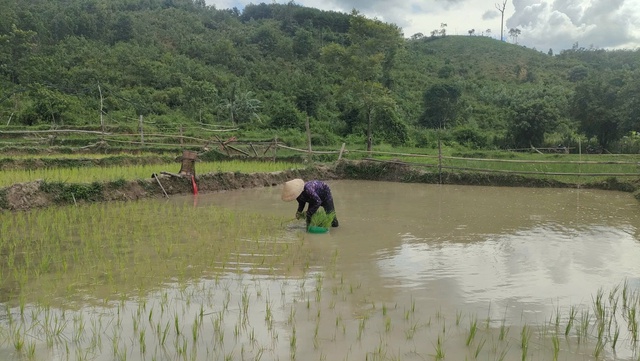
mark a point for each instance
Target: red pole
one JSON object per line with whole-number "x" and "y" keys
{"x": 195, "y": 186}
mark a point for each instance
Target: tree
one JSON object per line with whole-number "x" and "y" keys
{"x": 501, "y": 10}
{"x": 513, "y": 33}
{"x": 578, "y": 73}
{"x": 368, "y": 101}
{"x": 49, "y": 104}
{"x": 596, "y": 106}
{"x": 16, "y": 48}
{"x": 443, "y": 29}
{"x": 630, "y": 99}
{"x": 441, "y": 105}
{"x": 471, "y": 32}
{"x": 241, "y": 107}
{"x": 532, "y": 118}
{"x": 374, "y": 45}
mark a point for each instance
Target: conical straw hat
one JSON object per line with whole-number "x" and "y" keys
{"x": 292, "y": 189}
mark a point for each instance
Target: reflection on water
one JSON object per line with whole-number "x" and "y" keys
{"x": 408, "y": 274}
{"x": 495, "y": 245}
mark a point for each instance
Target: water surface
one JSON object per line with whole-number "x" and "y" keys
{"x": 414, "y": 272}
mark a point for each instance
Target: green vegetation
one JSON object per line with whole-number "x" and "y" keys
{"x": 178, "y": 67}
{"x": 322, "y": 218}
{"x": 116, "y": 173}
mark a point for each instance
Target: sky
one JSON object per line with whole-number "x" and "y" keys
{"x": 544, "y": 24}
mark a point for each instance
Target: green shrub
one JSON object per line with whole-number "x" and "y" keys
{"x": 470, "y": 137}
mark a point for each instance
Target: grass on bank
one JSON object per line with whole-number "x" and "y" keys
{"x": 115, "y": 173}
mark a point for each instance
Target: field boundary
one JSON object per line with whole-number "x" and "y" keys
{"x": 207, "y": 138}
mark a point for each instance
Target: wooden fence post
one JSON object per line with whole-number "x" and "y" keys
{"x": 141, "y": 131}
{"x": 341, "y": 151}
{"x": 275, "y": 148}
{"x": 439, "y": 158}
{"x": 101, "y": 111}
{"x": 308, "y": 137}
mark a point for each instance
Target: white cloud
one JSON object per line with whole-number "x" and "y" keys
{"x": 544, "y": 24}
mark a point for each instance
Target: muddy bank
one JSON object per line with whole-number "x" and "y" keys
{"x": 41, "y": 193}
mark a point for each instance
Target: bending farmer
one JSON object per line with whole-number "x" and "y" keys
{"x": 315, "y": 192}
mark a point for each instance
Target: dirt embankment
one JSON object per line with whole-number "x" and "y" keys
{"x": 40, "y": 193}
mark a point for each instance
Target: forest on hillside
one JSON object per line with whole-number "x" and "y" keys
{"x": 270, "y": 67}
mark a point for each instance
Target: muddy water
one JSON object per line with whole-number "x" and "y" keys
{"x": 516, "y": 248}
{"x": 414, "y": 272}
{"x": 510, "y": 256}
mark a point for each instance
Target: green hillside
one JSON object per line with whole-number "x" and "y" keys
{"x": 266, "y": 69}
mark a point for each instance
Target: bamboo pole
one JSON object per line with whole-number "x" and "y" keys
{"x": 341, "y": 151}
{"x": 141, "y": 130}
{"x": 158, "y": 180}
{"x": 238, "y": 150}
{"x": 101, "y": 109}
{"x": 254, "y": 149}
{"x": 275, "y": 148}
{"x": 308, "y": 137}
{"x": 439, "y": 158}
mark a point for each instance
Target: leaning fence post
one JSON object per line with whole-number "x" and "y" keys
{"x": 341, "y": 151}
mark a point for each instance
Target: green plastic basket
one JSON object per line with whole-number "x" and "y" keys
{"x": 316, "y": 229}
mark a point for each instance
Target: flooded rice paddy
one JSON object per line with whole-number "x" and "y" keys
{"x": 414, "y": 272}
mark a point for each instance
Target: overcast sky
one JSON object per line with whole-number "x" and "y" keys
{"x": 543, "y": 24}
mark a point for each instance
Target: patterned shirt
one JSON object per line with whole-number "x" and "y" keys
{"x": 316, "y": 193}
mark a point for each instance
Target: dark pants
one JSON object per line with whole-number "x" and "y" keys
{"x": 328, "y": 208}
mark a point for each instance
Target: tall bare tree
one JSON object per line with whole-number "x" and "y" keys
{"x": 501, "y": 10}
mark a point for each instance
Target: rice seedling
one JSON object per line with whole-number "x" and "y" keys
{"x": 361, "y": 327}
{"x": 556, "y": 346}
{"x": 473, "y": 328}
{"x": 597, "y": 352}
{"x": 440, "y": 354}
{"x": 525, "y": 336}
{"x": 572, "y": 316}
{"x": 293, "y": 343}
{"x": 322, "y": 219}
{"x": 387, "y": 324}
{"x": 411, "y": 331}
{"x": 585, "y": 320}
{"x": 479, "y": 348}
{"x": 131, "y": 172}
